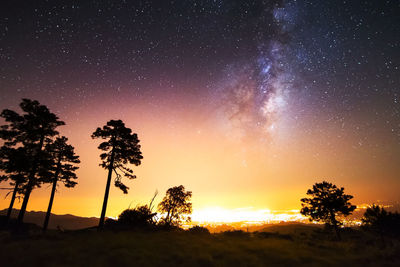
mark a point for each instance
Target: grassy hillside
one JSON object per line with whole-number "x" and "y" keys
{"x": 296, "y": 247}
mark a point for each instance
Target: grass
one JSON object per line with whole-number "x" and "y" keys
{"x": 299, "y": 247}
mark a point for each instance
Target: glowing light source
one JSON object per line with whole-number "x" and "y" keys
{"x": 221, "y": 215}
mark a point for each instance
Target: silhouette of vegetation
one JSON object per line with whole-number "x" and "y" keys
{"x": 30, "y": 130}
{"x": 326, "y": 203}
{"x": 14, "y": 165}
{"x": 63, "y": 167}
{"x": 138, "y": 217}
{"x": 176, "y": 206}
{"x": 382, "y": 222}
{"x": 122, "y": 147}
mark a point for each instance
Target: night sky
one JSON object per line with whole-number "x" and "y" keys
{"x": 243, "y": 102}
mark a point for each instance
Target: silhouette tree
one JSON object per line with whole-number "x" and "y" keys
{"x": 381, "y": 221}
{"x": 15, "y": 166}
{"x": 122, "y": 147}
{"x": 63, "y": 169}
{"x": 31, "y": 130}
{"x": 327, "y": 202}
{"x": 175, "y": 205}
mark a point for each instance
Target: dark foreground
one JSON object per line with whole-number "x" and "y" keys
{"x": 290, "y": 246}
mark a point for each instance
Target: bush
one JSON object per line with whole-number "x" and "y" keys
{"x": 379, "y": 220}
{"x": 138, "y": 217}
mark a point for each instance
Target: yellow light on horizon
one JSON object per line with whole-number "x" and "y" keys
{"x": 249, "y": 214}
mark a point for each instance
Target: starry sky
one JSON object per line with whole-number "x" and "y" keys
{"x": 246, "y": 103}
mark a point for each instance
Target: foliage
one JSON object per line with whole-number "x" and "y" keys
{"x": 25, "y": 135}
{"x": 138, "y": 217}
{"x": 35, "y": 124}
{"x": 64, "y": 161}
{"x": 31, "y": 131}
{"x": 377, "y": 219}
{"x": 326, "y": 202}
{"x": 122, "y": 147}
{"x": 176, "y": 204}
{"x": 14, "y": 164}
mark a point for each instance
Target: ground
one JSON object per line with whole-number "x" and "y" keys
{"x": 292, "y": 246}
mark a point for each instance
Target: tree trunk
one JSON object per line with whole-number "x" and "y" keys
{"x": 14, "y": 194}
{"x": 335, "y": 225}
{"x": 30, "y": 185}
{"x": 167, "y": 218}
{"x": 28, "y": 191}
{"x": 103, "y": 210}
{"x": 53, "y": 190}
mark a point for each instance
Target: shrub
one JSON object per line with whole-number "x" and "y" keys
{"x": 379, "y": 220}
{"x": 138, "y": 217}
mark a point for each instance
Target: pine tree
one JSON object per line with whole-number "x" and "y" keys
{"x": 122, "y": 147}
{"x": 64, "y": 165}
{"x": 31, "y": 130}
{"x": 326, "y": 202}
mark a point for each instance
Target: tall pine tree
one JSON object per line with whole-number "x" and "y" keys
{"x": 63, "y": 167}
{"x": 120, "y": 148}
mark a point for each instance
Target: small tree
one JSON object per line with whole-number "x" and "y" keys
{"x": 383, "y": 222}
{"x": 176, "y": 204}
{"x": 63, "y": 169}
{"x": 31, "y": 130}
{"x": 326, "y": 202}
{"x": 122, "y": 147}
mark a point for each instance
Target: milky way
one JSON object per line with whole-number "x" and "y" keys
{"x": 326, "y": 62}
{"x": 255, "y": 93}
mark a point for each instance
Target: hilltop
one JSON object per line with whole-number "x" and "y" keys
{"x": 66, "y": 221}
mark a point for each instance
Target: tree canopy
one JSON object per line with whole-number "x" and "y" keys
{"x": 122, "y": 147}
{"x": 325, "y": 203}
{"x": 64, "y": 161}
{"x": 378, "y": 219}
{"x": 176, "y": 206}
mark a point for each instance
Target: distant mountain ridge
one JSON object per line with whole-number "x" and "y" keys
{"x": 66, "y": 221}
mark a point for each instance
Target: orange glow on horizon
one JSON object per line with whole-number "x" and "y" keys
{"x": 248, "y": 215}
{"x": 223, "y": 172}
